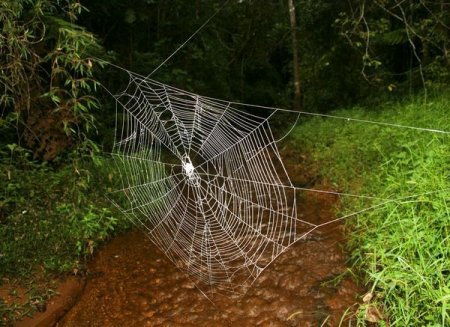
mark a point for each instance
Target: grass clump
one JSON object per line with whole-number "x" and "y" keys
{"x": 402, "y": 248}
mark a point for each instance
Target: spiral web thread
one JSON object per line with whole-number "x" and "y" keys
{"x": 205, "y": 180}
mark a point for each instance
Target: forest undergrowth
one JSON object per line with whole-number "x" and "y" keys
{"x": 400, "y": 250}
{"x": 52, "y": 219}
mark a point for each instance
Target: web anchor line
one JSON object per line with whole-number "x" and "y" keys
{"x": 188, "y": 39}
{"x": 221, "y": 103}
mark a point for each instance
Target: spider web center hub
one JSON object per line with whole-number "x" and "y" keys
{"x": 189, "y": 171}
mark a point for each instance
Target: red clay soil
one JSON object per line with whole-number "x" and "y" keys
{"x": 47, "y": 312}
{"x": 131, "y": 283}
{"x": 68, "y": 292}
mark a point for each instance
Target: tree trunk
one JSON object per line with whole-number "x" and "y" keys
{"x": 295, "y": 61}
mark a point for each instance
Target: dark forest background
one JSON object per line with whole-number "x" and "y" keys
{"x": 348, "y": 52}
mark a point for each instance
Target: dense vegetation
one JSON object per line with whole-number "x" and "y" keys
{"x": 56, "y": 121}
{"x": 402, "y": 247}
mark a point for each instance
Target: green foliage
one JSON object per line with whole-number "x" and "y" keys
{"x": 47, "y": 74}
{"x": 402, "y": 248}
{"x": 400, "y": 43}
{"x": 52, "y": 218}
{"x": 18, "y": 60}
{"x": 72, "y": 81}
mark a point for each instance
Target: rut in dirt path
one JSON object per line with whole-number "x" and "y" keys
{"x": 131, "y": 283}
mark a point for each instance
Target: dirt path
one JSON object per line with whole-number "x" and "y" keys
{"x": 131, "y": 283}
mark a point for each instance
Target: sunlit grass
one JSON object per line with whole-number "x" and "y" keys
{"x": 402, "y": 249}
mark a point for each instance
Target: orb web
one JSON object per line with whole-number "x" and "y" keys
{"x": 205, "y": 180}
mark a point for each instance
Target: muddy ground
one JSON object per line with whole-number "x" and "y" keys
{"x": 131, "y": 283}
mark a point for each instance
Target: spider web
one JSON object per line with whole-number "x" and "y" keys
{"x": 206, "y": 181}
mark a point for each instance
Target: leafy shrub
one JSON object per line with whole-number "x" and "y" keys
{"x": 47, "y": 75}
{"x": 53, "y": 217}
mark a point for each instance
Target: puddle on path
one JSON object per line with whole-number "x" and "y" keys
{"x": 131, "y": 283}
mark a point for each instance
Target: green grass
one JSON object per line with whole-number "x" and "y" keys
{"x": 402, "y": 249}
{"x": 52, "y": 218}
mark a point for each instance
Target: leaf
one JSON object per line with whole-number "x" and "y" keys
{"x": 373, "y": 314}
{"x": 130, "y": 16}
{"x": 367, "y": 297}
{"x": 55, "y": 98}
{"x": 394, "y": 37}
{"x": 11, "y": 147}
